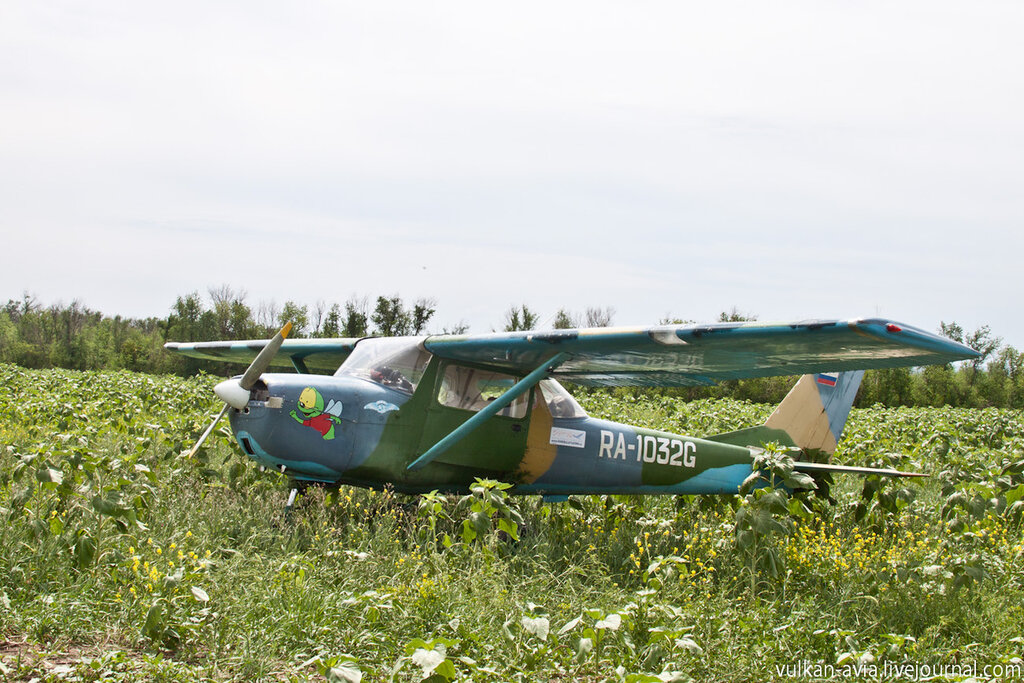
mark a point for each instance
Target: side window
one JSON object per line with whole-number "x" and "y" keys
{"x": 471, "y": 389}
{"x": 559, "y": 401}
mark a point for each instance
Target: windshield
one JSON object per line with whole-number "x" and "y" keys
{"x": 394, "y": 362}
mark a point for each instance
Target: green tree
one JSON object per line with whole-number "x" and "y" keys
{"x": 297, "y": 315}
{"x": 134, "y": 353}
{"x": 356, "y": 318}
{"x": 981, "y": 340}
{"x": 240, "y": 321}
{"x": 233, "y": 318}
{"x": 183, "y": 323}
{"x": 564, "y": 320}
{"x": 68, "y": 348}
{"x": 734, "y": 316}
{"x": 1007, "y": 369}
{"x": 937, "y": 387}
{"x": 8, "y": 338}
{"x": 332, "y": 322}
{"x": 390, "y": 319}
{"x": 520, "y": 318}
{"x": 890, "y": 386}
{"x": 422, "y": 311}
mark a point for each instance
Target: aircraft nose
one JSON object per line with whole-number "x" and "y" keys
{"x": 277, "y": 427}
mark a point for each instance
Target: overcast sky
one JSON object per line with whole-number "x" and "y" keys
{"x": 791, "y": 159}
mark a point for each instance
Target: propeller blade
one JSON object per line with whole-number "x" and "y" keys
{"x": 207, "y": 432}
{"x": 235, "y": 392}
{"x": 262, "y": 361}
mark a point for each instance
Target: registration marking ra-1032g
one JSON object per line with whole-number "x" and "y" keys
{"x": 648, "y": 448}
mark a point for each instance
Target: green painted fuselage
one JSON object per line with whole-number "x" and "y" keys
{"x": 373, "y": 432}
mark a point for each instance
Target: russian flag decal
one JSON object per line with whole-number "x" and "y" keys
{"x": 829, "y": 379}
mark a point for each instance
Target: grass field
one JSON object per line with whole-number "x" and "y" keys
{"x": 120, "y": 560}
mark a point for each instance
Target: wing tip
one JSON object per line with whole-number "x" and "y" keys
{"x": 950, "y": 347}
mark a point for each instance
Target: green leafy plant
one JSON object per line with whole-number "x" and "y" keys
{"x": 489, "y": 513}
{"x": 766, "y": 511}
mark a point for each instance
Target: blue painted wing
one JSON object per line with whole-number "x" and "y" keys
{"x": 688, "y": 355}
{"x": 324, "y": 355}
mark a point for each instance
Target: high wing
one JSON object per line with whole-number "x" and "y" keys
{"x": 304, "y": 355}
{"x": 688, "y": 355}
{"x": 663, "y": 356}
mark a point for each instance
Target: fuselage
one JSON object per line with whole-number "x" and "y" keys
{"x": 388, "y": 404}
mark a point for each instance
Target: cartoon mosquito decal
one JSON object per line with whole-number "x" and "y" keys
{"x": 311, "y": 405}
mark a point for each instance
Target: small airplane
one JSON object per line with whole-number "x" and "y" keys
{"x": 437, "y": 412}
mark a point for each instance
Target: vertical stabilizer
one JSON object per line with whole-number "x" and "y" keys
{"x": 814, "y": 411}
{"x": 812, "y": 415}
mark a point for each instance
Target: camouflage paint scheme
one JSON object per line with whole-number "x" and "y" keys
{"x": 380, "y": 430}
{"x": 371, "y": 448}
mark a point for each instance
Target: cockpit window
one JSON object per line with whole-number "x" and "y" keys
{"x": 394, "y": 362}
{"x": 559, "y": 401}
{"x": 471, "y": 389}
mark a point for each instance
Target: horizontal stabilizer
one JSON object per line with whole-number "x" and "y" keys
{"x": 822, "y": 467}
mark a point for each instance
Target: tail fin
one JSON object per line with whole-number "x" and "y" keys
{"x": 811, "y": 417}
{"x": 814, "y": 411}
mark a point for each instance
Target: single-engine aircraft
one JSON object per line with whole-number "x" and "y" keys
{"x": 437, "y": 412}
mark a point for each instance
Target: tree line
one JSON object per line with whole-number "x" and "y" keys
{"x": 73, "y": 336}
{"x": 76, "y": 337}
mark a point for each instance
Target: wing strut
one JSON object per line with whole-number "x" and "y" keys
{"x": 517, "y": 390}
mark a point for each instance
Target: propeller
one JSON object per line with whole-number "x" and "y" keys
{"x": 235, "y": 392}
